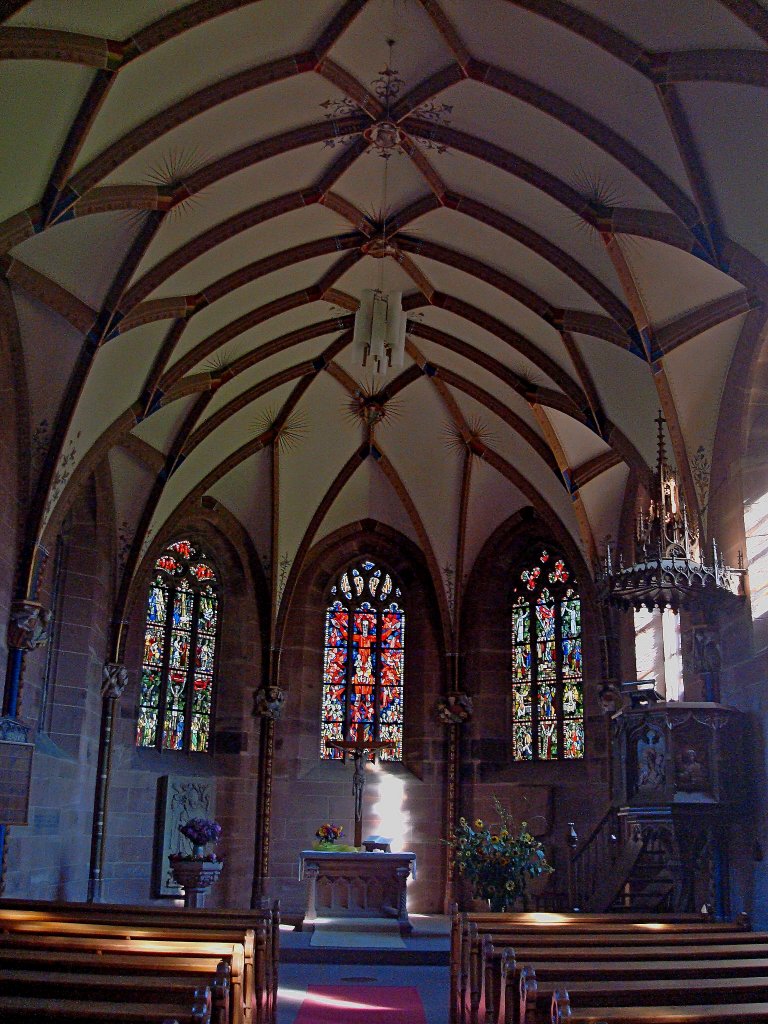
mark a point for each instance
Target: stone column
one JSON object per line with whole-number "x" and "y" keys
{"x": 114, "y": 677}
{"x": 310, "y": 873}
{"x": 454, "y": 711}
{"x": 402, "y": 899}
{"x": 267, "y": 705}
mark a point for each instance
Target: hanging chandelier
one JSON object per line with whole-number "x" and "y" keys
{"x": 670, "y": 567}
{"x": 380, "y": 329}
{"x": 380, "y": 323}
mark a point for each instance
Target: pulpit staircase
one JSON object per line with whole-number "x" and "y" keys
{"x": 614, "y": 869}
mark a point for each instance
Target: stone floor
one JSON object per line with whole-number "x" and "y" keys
{"x": 423, "y": 964}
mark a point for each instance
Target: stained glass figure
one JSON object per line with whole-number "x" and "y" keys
{"x": 180, "y": 638}
{"x": 547, "y": 673}
{"x": 363, "y": 661}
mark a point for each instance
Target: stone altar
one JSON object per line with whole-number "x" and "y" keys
{"x": 357, "y": 885}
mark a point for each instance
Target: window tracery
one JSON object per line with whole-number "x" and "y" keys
{"x": 178, "y": 662}
{"x": 547, "y": 672}
{"x": 364, "y": 651}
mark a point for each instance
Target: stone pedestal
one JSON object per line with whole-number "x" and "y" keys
{"x": 357, "y": 885}
{"x": 196, "y": 877}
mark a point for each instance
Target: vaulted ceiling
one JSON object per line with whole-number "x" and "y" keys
{"x": 189, "y": 203}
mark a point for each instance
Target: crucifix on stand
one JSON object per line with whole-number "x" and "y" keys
{"x": 359, "y": 748}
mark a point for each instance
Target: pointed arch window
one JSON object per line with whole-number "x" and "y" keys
{"x": 178, "y": 663}
{"x": 547, "y": 673}
{"x": 364, "y": 653}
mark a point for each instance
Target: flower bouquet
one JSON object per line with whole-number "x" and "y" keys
{"x": 327, "y": 837}
{"x": 196, "y": 872}
{"x": 200, "y": 832}
{"x": 498, "y": 862}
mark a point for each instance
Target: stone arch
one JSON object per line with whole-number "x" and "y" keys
{"x": 546, "y": 794}
{"x": 307, "y": 791}
{"x": 232, "y": 766}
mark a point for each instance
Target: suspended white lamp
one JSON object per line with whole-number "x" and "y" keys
{"x": 380, "y": 329}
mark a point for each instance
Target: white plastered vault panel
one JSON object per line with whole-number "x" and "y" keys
{"x": 162, "y": 426}
{"x": 83, "y": 255}
{"x": 328, "y": 438}
{"x": 221, "y": 47}
{"x": 246, "y": 492}
{"x": 549, "y": 54}
{"x": 231, "y": 195}
{"x": 248, "y": 297}
{"x": 688, "y": 24}
{"x": 115, "y": 380}
{"x": 40, "y": 100}
{"x": 521, "y": 457}
{"x": 368, "y": 495}
{"x": 304, "y": 225}
{"x": 672, "y": 282}
{"x": 94, "y": 17}
{"x": 132, "y": 481}
{"x": 41, "y": 331}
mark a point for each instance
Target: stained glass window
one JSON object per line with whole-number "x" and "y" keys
{"x": 363, "y": 660}
{"x": 177, "y": 671}
{"x": 547, "y": 674}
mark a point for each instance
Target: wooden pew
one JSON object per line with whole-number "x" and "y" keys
{"x": 261, "y": 968}
{"x": 746, "y": 959}
{"x": 116, "y": 1001}
{"x": 738, "y": 1013}
{"x": 143, "y": 968}
{"x": 550, "y": 928}
{"x": 483, "y": 989}
{"x": 536, "y": 997}
{"x": 258, "y": 929}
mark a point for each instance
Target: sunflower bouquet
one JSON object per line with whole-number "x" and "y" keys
{"x": 498, "y": 861}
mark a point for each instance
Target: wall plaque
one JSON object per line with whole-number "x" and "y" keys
{"x": 16, "y": 750}
{"x": 180, "y": 797}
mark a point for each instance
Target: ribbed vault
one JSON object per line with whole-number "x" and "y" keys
{"x": 190, "y": 197}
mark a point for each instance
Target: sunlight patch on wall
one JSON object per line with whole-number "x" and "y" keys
{"x": 756, "y": 527}
{"x": 658, "y": 650}
{"x": 389, "y": 808}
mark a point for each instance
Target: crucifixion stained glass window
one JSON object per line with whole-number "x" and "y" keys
{"x": 177, "y": 671}
{"x": 364, "y": 652}
{"x": 547, "y": 675}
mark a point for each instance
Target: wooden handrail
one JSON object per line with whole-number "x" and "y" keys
{"x": 592, "y": 859}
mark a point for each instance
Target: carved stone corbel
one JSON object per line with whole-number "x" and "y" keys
{"x": 114, "y": 677}
{"x": 29, "y": 625}
{"x": 268, "y": 702}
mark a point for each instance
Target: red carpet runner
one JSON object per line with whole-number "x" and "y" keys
{"x": 351, "y": 1004}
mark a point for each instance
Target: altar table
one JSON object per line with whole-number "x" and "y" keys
{"x": 357, "y": 885}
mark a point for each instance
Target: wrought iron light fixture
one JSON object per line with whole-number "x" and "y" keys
{"x": 670, "y": 567}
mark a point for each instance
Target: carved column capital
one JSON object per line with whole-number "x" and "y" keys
{"x": 29, "y": 625}
{"x": 114, "y": 677}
